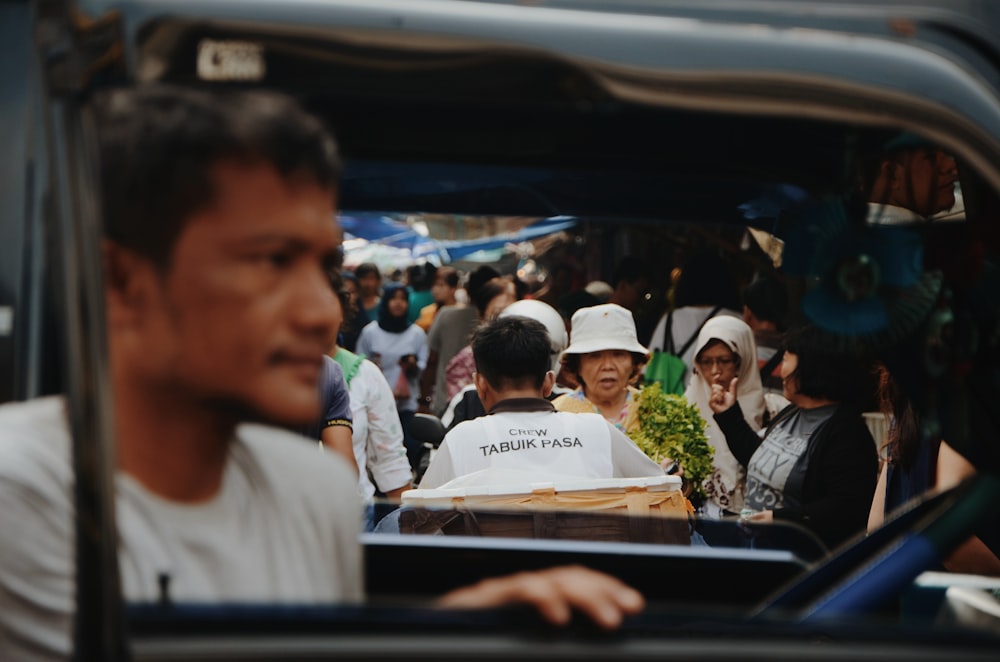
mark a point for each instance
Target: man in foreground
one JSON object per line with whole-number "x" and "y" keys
{"x": 218, "y": 238}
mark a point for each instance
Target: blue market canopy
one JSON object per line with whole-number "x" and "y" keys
{"x": 386, "y": 231}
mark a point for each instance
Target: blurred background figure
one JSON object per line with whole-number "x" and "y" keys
{"x": 917, "y": 463}
{"x": 706, "y": 287}
{"x": 765, "y": 309}
{"x": 630, "y": 284}
{"x": 490, "y": 300}
{"x": 420, "y": 278}
{"x": 450, "y": 332}
{"x": 443, "y": 291}
{"x": 377, "y": 435}
{"x": 910, "y": 180}
{"x": 600, "y": 290}
{"x": 369, "y": 289}
{"x": 399, "y": 349}
{"x": 354, "y": 320}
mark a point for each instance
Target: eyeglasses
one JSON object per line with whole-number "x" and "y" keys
{"x": 722, "y": 362}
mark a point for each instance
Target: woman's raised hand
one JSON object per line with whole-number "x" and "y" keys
{"x": 722, "y": 399}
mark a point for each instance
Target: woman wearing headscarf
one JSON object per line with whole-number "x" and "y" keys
{"x": 399, "y": 348}
{"x": 725, "y": 349}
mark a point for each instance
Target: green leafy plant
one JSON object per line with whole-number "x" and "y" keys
{"x": 670, "y": 426}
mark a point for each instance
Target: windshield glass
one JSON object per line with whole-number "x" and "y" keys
{"x": 378, "y": 329}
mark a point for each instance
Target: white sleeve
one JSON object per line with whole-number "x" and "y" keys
{"x": 364, "y": 344}
{"x": 449, "y": 413}
{"x": 422, "y": 352}
{"x": 386, "y": 456}
{"x": 627, "y": 460}
{"x": 441, "y": 468}
{"x": 37, "y": 579}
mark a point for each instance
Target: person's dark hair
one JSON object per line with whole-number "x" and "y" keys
{"x": 707, "y": 280}
{"x": 512, "y": 351}
{"x": 824, "y": 372}
{"x": 571, "y": 364}
{"x": 160, "y": 145}
{"x": 903, "y": 441}
{"x": 420, "y": 276}
{"x": 487, "y": 292}
{"x": 349, "y": 276}
{"x": 448, "y": 274}
{"x": 367, "y": 269}
{"x": 629, "y": 270}
{"x": 520, "y": 287}
{"x": 767, "y": 299}
{"x": 386, "y": 320}
{"x": 482, "y": 275}
{"x": 336, "y": 279}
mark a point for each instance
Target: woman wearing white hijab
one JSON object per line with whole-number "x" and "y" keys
{"x": 725, "y": 349}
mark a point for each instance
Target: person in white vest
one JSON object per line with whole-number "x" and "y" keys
{"x": 522, "y": 433}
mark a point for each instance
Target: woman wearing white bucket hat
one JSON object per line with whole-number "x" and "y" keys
{"x": 605, "y": 356}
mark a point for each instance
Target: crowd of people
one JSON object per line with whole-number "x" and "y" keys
{"x": 799, "y": 453}
{"x": 782, "y": 409}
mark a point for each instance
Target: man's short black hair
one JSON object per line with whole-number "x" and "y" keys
{"x": 448, "y": 274}
{"x": 825, "y": 373}
{"x": 482, "y": 275}
{"x": 488, "y": 291}
{"x": 767, "y": 299}
{"x": 630, "y": 270}
{"x": 367, "y": 269}
{"x": 512, "y": 351}
{"x": 421, "y": 276}
{"x": 160, "y": 145}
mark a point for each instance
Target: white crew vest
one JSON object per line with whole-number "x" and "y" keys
{"x": 558, "y": 442}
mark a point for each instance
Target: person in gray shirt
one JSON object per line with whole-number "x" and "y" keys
{"x": 219, "y": 232}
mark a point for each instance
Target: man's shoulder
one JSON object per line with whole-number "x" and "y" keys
{"x": 465, "y": 429}
{"x": 332, "y": 378}
{"x": 455, "y": 312}
{"x": 289, "y": 460}
{"x": 35, "y": 441}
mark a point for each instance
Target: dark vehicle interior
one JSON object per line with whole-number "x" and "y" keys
{"x": 655, "y": 165}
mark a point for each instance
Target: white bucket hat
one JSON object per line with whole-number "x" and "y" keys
{"x": 604, "y": 327}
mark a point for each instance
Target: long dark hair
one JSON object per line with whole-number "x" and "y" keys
{"x": 825, "y": 373}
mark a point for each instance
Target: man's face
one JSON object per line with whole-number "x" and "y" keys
{"x": 352, "y": 291}
{"x": 245, "y": 312}
{"x": 636, "y": 293}
{"x": 442, "y": 291}
{"x": 926, "y": 184}
{"x": 369, "y": 284}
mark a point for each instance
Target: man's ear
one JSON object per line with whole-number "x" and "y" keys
{"x": 548, "y": 383}
{"x": 127, "y": 277}
{"x": 482, "y": 388}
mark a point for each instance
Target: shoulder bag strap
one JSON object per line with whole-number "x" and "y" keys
{"x": 668, "y": 334}
{"x": 772, "y": 363}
